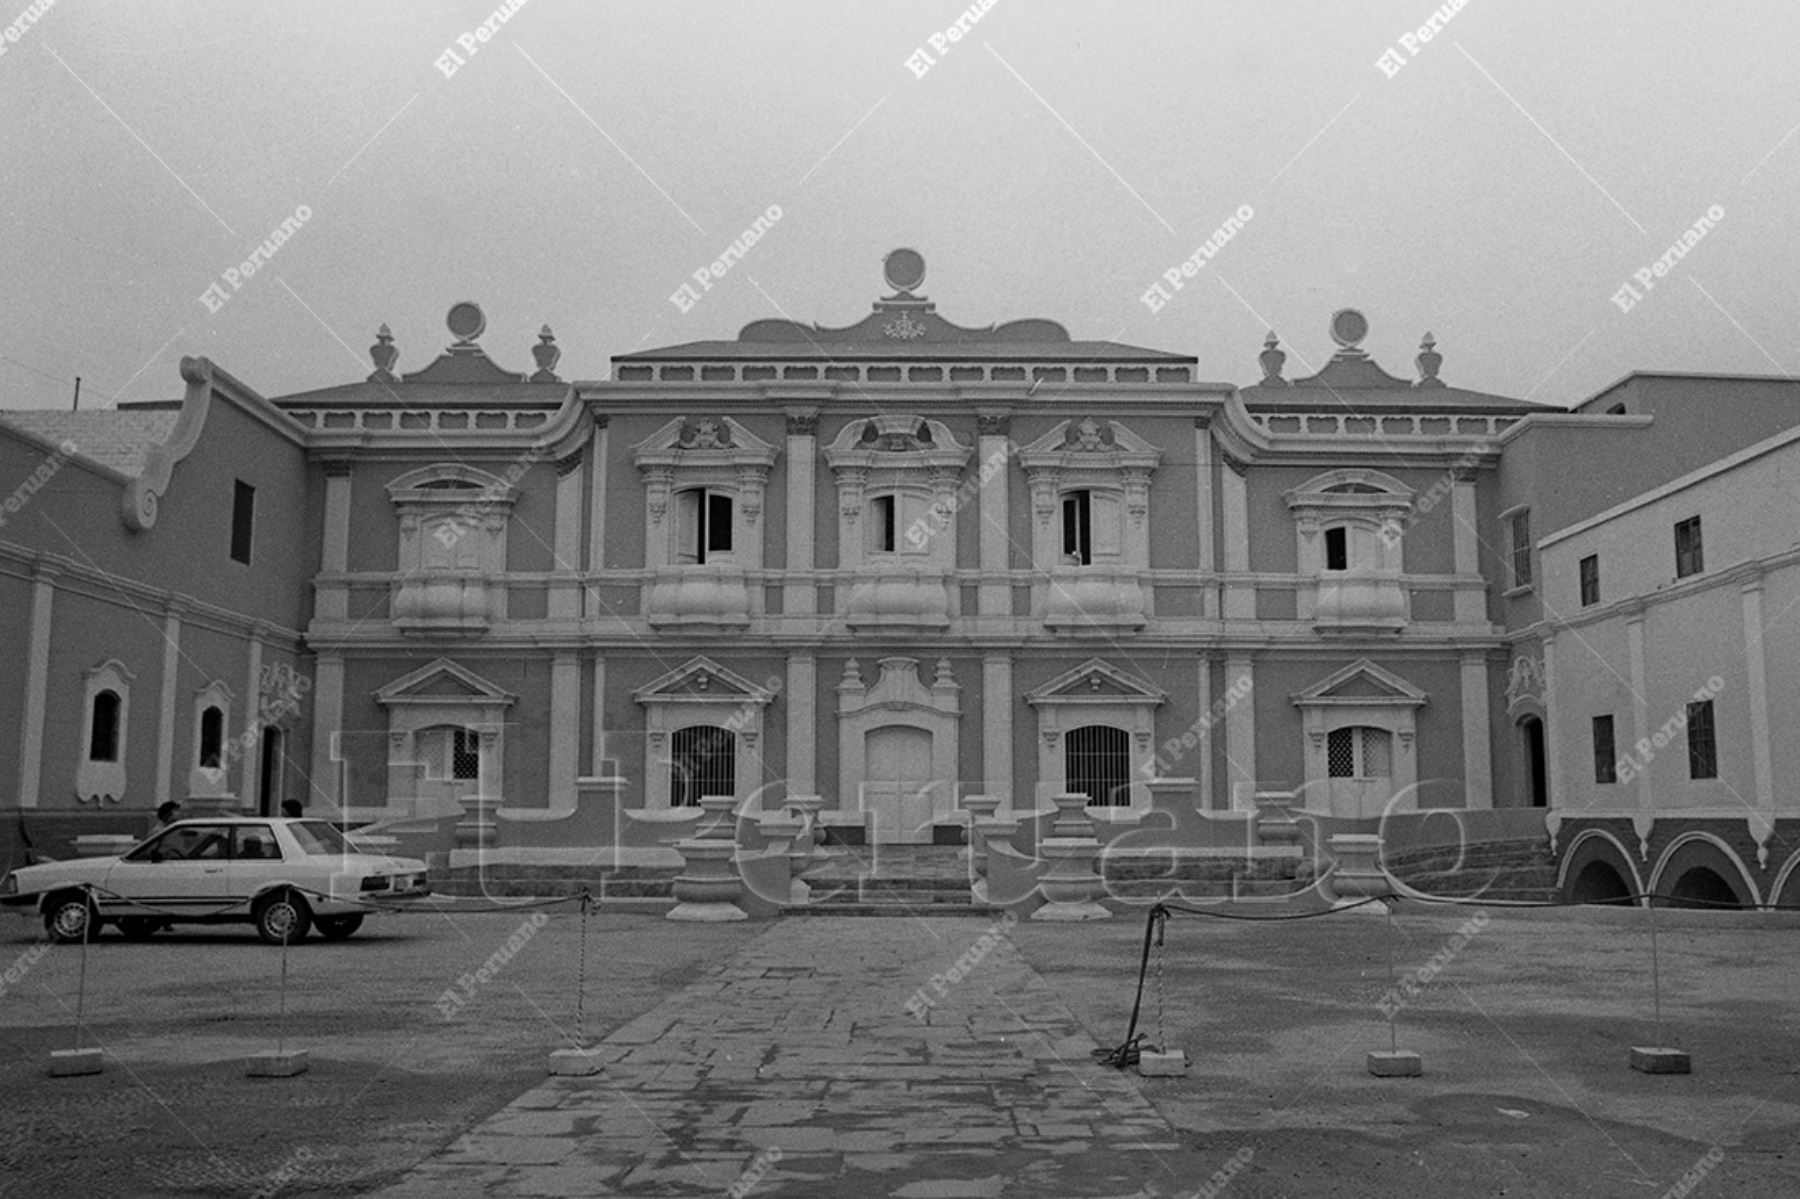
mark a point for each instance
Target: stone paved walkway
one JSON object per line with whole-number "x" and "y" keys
{"x": 796, "y": 1069}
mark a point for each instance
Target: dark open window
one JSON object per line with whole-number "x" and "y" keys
{"x": 1337, "y": 548}
{"x": 1605, "y": 755}
{"x": 212, "y": 737}
{"x": 103, "y": 732}
{"x": 1590, "y": 580}
{"x": 702, "y": 525}
{"x": 1689, "y": 558}
{"x": 1703, "y": 745}
{"x": 1078, "y": 529}
{"x": 881, "y": 524}
{"x": 1097, "y": 763}
{"x": 243, "y": 520}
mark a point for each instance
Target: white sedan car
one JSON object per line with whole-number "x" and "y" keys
{"x": 282, "y": 875}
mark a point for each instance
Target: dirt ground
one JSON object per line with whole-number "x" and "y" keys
{"x": 1524, "y": 1027}
{"x": 1524, "y": 1030}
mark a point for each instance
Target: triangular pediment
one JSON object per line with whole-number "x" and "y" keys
{"x": 440, "y": 682}
{"x": 1362, "y": 682}
{"x": 1096, "y": 681}
{"x": 1086, "y": 441}
{"x": 702, "y": 680}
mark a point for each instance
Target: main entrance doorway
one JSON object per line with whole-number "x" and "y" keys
{"x": 899, "y": 787}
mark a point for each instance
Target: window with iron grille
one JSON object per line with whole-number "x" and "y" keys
{"x": 1689, "y": 558}
{"x": 1606, "y": 756}
{"x": 1590, "y": 580}
{"x": 702, "y": 761}
{"x": 212, "y": 737}
{"x": 1703, "y": 747}
{"x": 1358, "y": 752}
{"x": 465, "y": 754}
{"x": 1520, "y": 526}
{"x": 1097, "y": 763}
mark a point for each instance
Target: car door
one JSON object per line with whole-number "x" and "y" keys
{"x": 256, "y": 859}
{"x": 181, "y": 872}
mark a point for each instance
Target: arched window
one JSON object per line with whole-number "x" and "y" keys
{"x": 1097, "y": 763}
{"x": 702, "y": 761}
{"x": 1359, "y": 752}
{"x": 103, "y": 727}
{"x": 212, "y": 737}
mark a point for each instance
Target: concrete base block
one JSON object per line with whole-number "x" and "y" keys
{"x": 1395, "y": 1063}
{"x": 1071, "y": 912}
{"x": 707, "y": 913}
{"x": 1171, "y": 1064}
{"x": 65, "y": 1063}
{"x": 277, "y": 1063}
{"x": 575, "y": 1062}
{"x": 1660, "y": 1061}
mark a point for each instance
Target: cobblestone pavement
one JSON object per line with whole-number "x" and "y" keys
{"x": 797, "y": 1069}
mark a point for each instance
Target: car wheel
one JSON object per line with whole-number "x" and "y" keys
{"x": 282, "y": 916}
{"x": 71, "y": 919}
{"x": 336, "y": 928}
{"x": 141, "y": 928}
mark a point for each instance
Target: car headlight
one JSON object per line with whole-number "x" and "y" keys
{"x": 375, "y": 882}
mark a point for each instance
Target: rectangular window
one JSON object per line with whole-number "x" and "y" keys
{"x": 718, "y": 523}
{"x": 465, "y": 755}
{"x": 1078, "y": 529}
{"x": 1337, "y": 548}
{"x": 1689, "y": 560}
{"x": 1520, "y": 526}
{"x": 1703, "y": 746}
{"x": 881, "y": 524}
{"x": 243, "y": 520}
{"x": 1590, "y": 581}
{"x": 702, "y": 525}
{"x": 1605, "y": 755}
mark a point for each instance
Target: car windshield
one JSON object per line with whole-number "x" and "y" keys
{"x": 318, "y": 838}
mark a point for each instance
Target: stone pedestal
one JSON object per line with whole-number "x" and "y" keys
{"x": 575, "y": 1063}
{"x": 1395, "y": 1063}
{"x": 981, "y": 808}
{"x": 1660, "y": 1061}
{"x": 1275, "y": 823}
{"x": 277, "y": 1063}
{"x": 709, "y": 886}
{"x": 1358, "y": 874}
{"x": 804, "y": 852}
{"x": 68, "y": 1063}
{"x": 1070, "y": 884}
{"x": 476, "y": 828}
{"x": 1171, "y": 1064}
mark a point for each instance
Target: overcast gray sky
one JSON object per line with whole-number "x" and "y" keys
{"x": 1498, "y": 189}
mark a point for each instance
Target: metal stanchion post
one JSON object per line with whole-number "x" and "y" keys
{"x": 583, "y": 1059}
{"x": 65, "y": 1063}
{"x": 281, "y": 1062}
{"x": 1659, "y": 1058}
{"x": 1394, "y": 1062}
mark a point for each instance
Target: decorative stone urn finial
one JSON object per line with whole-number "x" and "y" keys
{"x": 1429, "y": 361}
{"x": 547, "y": 352}
{"x": 384, "y": 354}
{"x": 1272, "y": 359}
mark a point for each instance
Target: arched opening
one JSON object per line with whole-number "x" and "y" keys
{"x": 1598, "y": 882}
{"x": 212, "y": 737}
{"x": 1097, "y": 763}
{"x": 103, "y": 729}
{"x": 702, "y": 761}
{"x": 1702, "y": 887}
{"x": 1537, "y": 770}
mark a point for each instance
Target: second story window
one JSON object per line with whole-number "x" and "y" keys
{"x": 1590, "y": 580}
{"x": 1689, "y": 558}
{"x": 1078, "y": 528}
{"x": 1605, "y": 755}
{"x": 103, "y": 727}
{"x": 1703, "y": 745}
{"x": 703, "y": 526}
{"x": 883, "y": 519}
{"x": 1519, "y": 528}
{"x": 243, "y": 520}
{"x": 1337, "y": 548}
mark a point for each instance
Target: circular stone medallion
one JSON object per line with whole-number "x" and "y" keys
{"x": 466, "y": 320}
{"x": 905, "y": 269}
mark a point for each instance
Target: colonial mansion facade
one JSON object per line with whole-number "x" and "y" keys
{"x": 890, "y": 564}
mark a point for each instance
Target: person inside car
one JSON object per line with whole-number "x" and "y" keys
{"x": 167, "y": 813}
